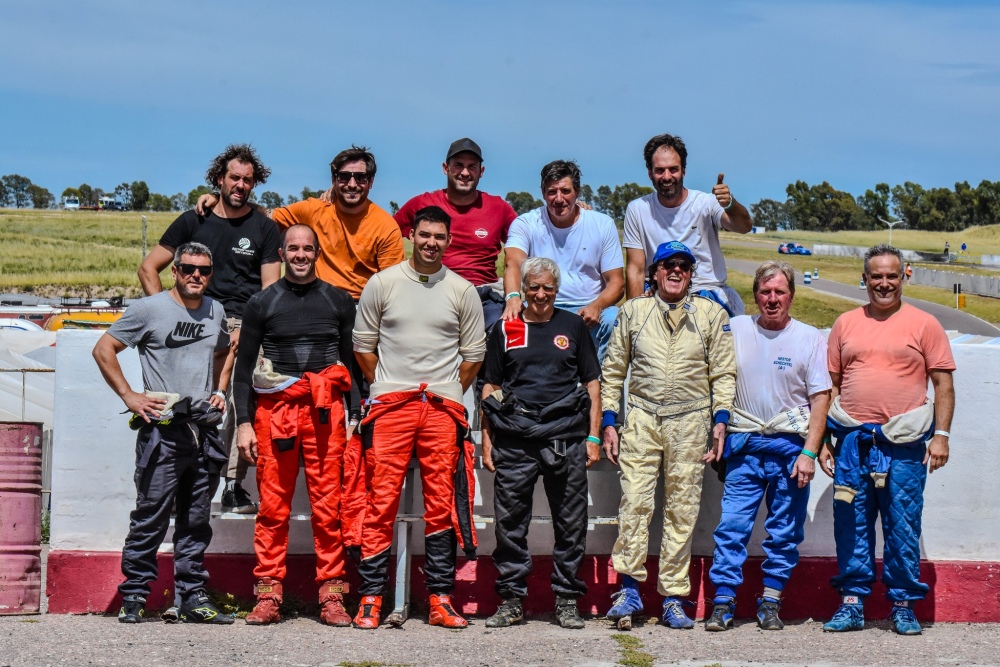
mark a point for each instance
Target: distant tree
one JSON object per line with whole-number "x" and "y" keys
{"x": 124, "y": 193}
{"x": 587, "y": 194}
{"x": 271, "y": 200}
{"x": 17, "y": 189}
{"x": 96, "y": 195}
{"x": 70, "y": 192}
{"x": 522, "y": 202}
{"x": 602, "y": 202}
{"x": 192, "y": 197}
{"x": 310, "y": 194}
{"x": 875, "y": 205}
{"x": 621, "y": 196}
{"x": 4, "y": 194}
{"x": 178, "y": 202}
{"x": 770, "y": 214}
{"x": 41, "y": 198}
{"x": 87, "y": 196}
{"x": 140, "y": 195}
{"x": 393, "y": 208}
{"x": 158, "y": 202}
{"x": 291, "y": 199}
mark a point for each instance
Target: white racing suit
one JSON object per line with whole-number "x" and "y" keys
{"x": 683, "y": 378}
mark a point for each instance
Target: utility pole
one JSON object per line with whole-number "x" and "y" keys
{"x": 891, "y": 225}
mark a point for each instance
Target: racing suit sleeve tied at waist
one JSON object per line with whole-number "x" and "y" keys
{"x": 321, "y": 389}
{"x": 357, "y": 487}
{"x": 564, "y": 419}
{"x": 866, "y": 448}
{"x": 200, "y": 417}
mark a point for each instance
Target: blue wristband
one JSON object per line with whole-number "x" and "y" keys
{"x": 809, "y": 454}
{"x": 593, "y": 439}
{"x": 722, "y": 417}
{"x": 609, "y": 418}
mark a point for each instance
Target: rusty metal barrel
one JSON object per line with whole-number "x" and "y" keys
{"x": 20, "y": 517}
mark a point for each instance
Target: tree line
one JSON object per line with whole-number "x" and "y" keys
{"x": 18, "y": 191}
{"x": 824, "y": 208}
{"x": 611, "y": 202}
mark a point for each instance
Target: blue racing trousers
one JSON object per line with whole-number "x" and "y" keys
{"x": 749, "y": 479}
{"x": 900, "y": 503}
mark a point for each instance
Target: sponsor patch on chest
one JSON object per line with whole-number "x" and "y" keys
{"x": 561, "y": 341}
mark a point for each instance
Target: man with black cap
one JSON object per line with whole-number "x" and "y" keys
{"x": 479, "y": 223}
{"x": 677, "y": 349}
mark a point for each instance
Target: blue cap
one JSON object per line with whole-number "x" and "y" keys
{"x": 668, "y": 250}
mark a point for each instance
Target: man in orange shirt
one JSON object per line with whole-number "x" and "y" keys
{"x": 357, "y": 238}
{"x": 880, "y": 358}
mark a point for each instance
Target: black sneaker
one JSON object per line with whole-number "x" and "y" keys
{"x": 509, "y": 613}
{"x": 235, "y": 499}
{"x": 133, "y": 607}
{"x": 722, "y": 615}
{"x": 199, "y": 609}
{"x": 767, "y": 614}
{"x": 568, "y": 615}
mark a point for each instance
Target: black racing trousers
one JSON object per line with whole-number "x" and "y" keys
{"x": 518, "y": 463}
{"x": 170, "y": 463}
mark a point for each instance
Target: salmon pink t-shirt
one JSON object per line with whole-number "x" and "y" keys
{"x": 885, "y": 364}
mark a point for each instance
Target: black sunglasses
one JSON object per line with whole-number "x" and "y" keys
{"x": 189, "y": 269}
{"x": 360, "y": 177}
{"x": 672, "y": 264}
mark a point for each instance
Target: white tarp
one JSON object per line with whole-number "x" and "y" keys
{"x": 27, "y": 395}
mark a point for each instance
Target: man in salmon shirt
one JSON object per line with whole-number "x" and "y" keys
{"x": 479, "y": 224}
{"x": 357, "y": 238}
{"x": 880, "y": 359}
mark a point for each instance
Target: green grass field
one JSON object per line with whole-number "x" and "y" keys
{"x": 96, "y": 254}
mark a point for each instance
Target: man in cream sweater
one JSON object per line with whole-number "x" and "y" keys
{"x": 419, "y": 339}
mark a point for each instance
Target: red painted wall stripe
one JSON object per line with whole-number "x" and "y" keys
{"x": 961, "y": 591}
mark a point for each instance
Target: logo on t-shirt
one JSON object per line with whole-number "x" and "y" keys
{"x": 515, "y": 335}
{"x": 243, "y": 247}
{"x": 481, "y": 233}
{"x": 185, "y": 333}
{"x": 561, "y": 341}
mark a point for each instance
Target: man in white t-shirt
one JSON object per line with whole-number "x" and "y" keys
{"x": 583, "y": 244}
{"x": 775, "y": 431}
{"x": 675, "y": 213}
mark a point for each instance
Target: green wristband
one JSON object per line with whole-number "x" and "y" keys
{"x": 809, "y": 454}
{"x": 511, "y": 295}
{"x": 593, "y": 439}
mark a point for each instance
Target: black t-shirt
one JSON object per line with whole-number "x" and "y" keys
{"x": 302, "y": 328}
{"x": 239, "y": 246}
{"x": 544, "y": 364}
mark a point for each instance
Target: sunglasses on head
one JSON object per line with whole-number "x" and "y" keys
{"x": 360, "y": 177}
{"x": 189, "y": 269}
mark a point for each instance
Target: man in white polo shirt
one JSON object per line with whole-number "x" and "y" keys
{"x": 583, "y": 244}
{"x": 675, "y": 213}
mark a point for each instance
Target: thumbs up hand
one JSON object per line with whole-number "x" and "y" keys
{"x": 722, "y": 194}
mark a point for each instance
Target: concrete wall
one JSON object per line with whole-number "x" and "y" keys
{"x": 93, "y": 465}
{"x": 971, "y": 284}
{"x": 835, "y": 250}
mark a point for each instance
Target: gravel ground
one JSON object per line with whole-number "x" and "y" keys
{"x": 94, "y": 640}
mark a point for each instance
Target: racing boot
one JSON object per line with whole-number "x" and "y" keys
{"x": 511, "y": 611}
{"x": 568, "y": 615}
{"x": 767, "y": 614}
{"x": 198, "y": 608}
{"x": 723, "y": 611}
{"x": 673, "y": 614}
{"x": 268, "y": 592}
{"x": 369, "y": 612}
{"x": 443, "y": 614}
{"x": 902, "y": 619}
{"x": 626, "y": 603}
{"x": 331, "y": 603}
{"x": 133, "y": 608}
{"x": 849, "y": 616}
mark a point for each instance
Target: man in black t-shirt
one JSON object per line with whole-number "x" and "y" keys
{"x": 542, "y": 418}
{"x": 244, "y": 245}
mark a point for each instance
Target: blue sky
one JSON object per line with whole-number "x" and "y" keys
{"x": 853, "y": 93}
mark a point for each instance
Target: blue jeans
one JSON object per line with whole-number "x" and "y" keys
{"x": 750, "y": 478}
{"x": 600, "y": 334}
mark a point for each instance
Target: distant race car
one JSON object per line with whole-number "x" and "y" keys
{"x": 793, "y": 249}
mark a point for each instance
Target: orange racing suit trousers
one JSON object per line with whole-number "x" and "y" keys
{"x": 397, "y": 425}
{"x": 305, "y": 421}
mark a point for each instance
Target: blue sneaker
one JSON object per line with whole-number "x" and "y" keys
{"x": 673, "y": 614}
{"x": 722, "y": 615}
{"x": 850, "y": 616}
{"x": 626, "y": 600}
{"x": 903, "y": 621}
{"x": 767, "y": 614}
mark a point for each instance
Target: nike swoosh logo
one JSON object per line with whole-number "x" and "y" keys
{"x": 172, "y": 342}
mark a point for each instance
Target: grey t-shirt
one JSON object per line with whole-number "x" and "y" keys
{"x": 176, "y": 345}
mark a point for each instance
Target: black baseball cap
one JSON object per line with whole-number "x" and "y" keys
{"x": 462, "y": 146}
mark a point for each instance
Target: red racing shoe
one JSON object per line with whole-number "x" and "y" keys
{"x": 268, "y": 592}
{"x": 443, "y": 614}
{"x": 331, "y": 602}
{"x": 369, "y": 612}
